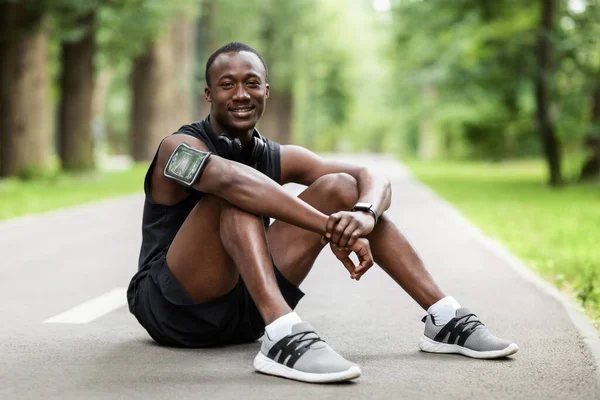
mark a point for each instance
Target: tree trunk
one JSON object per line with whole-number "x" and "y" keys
{"x": 548, "y": 137}
{"x": 76, "y": 144}
{"x": 25, "y": 115}
{"x": 511, "y": 102}
{"x": 591, "y": 166}
{"x": 596, "y": 106}
{"x": 208, "y": 40}
{"x": 99, "y": 126}
{"x": 428, "y": 146}
{"x": 276, "y": 122}
{"x": 162, "y": 81}
{"x": 153, "y": 99}
{"x": 100, "y": 94}
{"x": 183, "y": 33}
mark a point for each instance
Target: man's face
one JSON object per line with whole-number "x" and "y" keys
{"x": 238, "y": 91}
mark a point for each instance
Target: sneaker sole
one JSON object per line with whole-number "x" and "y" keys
{"x": 431, "y": 346}
{"x": 267, "y": 366}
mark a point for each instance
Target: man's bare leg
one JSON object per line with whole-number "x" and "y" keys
{"x": 216, "y": 244}
{"x": 233, "y": 242}
{"x": 394, "y": 254}
{"x": 455, "y": 329}
{"x": 295, "y": 250}
{"x": 237, "y": 239}
{"x": 248, "y": 249}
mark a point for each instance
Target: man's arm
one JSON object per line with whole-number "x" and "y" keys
{"x": 302, "y": 166}
{"x": 240, "y": 185}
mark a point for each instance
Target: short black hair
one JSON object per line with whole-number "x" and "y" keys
{"x": 233, "y": 47}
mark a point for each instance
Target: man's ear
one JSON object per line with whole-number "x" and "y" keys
{"x": 207, "y": 94}
{"x": 268, "y": 91}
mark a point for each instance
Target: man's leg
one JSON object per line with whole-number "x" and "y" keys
{"x": 394, "y": 254}
{"x": 294, "y": 249}
{"x": 218, "y": 241}
{"x": 456, "y": 329}
{"x": 215, "y": 245}
{"x": 449, "y": 328}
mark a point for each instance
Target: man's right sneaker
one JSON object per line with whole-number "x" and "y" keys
{"x": 464, "y": 334}
{"x": 305, "y": 357}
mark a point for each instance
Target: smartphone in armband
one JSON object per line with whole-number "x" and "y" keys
{"x": 186, "y": 164}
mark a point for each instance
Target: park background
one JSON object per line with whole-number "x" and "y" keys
{"x": 494, "y": 105}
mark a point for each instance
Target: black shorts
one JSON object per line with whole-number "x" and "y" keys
{"x": 172, "y": 318}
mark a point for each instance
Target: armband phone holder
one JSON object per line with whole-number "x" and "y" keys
{"x": 186, "y": 164}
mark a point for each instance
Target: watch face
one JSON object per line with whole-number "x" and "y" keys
{"x": 362, "y": 206}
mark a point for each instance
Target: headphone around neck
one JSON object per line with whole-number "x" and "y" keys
{"x": 230, "y": 147}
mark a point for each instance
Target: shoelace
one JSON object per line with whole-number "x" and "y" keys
{"x": 302, "y": 338}
{"x": 475, "y": 323}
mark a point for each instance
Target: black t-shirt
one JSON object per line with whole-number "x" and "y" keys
{"x": 161, "y": 223}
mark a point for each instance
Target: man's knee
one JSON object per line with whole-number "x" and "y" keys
{"x": 233, "y": 217}
{"x": 217, "y": 209}
{"x": 217, "y": 204}
{"x": 340, "y": 189}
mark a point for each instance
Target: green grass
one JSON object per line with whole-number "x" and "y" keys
{"x": 556, "y": 232}
{"x": 26, "y": 197}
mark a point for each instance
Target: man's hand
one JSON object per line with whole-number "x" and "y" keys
{"x": 345, "y": 227}
{"x": 363, "y": 250}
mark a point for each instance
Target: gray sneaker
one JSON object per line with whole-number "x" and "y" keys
{"x": 464, "y": 334}
{"x": 305, "y": 357}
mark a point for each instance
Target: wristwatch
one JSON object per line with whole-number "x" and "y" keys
{"x": 368, "y": 207}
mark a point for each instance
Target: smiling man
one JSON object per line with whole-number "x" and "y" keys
{"x": 212, "y": 271}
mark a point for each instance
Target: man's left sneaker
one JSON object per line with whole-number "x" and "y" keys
{"x": 464, "y": 334}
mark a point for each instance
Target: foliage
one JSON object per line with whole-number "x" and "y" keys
{"x": 553, "y": 232}
{"x": 461, "y": 72}
{"x": 125, "y": 29}
{"x": 480, "y": 58}
{"x": 313, "y": 49}
{"x": 69, "y": 17}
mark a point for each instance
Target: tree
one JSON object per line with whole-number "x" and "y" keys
{"x": 183, "y": 35}
{"x": 543, "y": 93}
{"x": 153, "y": 98}
{"x": 78, "y": 48}
{"x": 275, "y": 29}
{"x": 475, "y": 57}
{"x": 207, "y": 42}
{"x": 161, "y": 107}
{"x": 25, "y": 117}
{"x": 150, "y": 45}
{"x": 162, "y": 79}
{"x": 581, "y": 77}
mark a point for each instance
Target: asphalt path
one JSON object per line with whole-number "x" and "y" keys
{"x": 66, "y": 334}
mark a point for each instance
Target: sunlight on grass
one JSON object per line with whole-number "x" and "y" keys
{"x": 26, "y": 197}
{"x": 556, "y": 232}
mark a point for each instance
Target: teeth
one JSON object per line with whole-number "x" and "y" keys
{"x": 242, "y": 109}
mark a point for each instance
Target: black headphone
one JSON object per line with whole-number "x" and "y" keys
{"x": 230, "y": 147}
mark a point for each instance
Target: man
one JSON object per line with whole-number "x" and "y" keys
{"x": 213, "y": 272}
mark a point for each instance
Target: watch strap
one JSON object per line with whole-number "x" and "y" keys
{"x": 367, "y": 209}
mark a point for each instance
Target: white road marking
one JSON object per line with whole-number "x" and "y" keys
{"x": 92, "y": 309}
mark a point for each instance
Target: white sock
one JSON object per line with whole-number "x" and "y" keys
{"x": 444, "y": 310}
{"x": 282, "y": 326}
